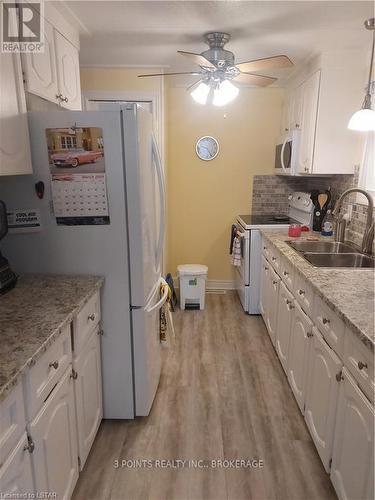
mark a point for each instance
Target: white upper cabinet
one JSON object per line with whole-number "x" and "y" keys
{"x": 40, "y": 69}
{"x": 15, "y": 157}
{"x": 67, "y": 61}
{"x": 310, "y": 93}
{"x": 320, "y": 101}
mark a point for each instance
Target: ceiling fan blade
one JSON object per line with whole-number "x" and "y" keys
{"x": 249, "y": 78}
{"x": 265, "y": 64}
{"x": 172, "y": 74}
{"x": 197, "y": 59}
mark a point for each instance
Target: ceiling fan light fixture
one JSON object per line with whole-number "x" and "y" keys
{"x": 224, "y": 93}
{"x": 200, "y": 93}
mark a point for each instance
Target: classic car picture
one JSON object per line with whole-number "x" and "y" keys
{"x": 78, "y": 149}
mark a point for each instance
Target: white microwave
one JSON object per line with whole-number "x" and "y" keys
{"x": 286, "y": 153}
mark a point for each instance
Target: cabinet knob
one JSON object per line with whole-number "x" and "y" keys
{"x": 310, "y": 334}
{"x": 65, "y": 99}
{"x": 286, "y": 129}
{"x": 265, "y": 268}
{"x": 264, "y": 248}
{"x": 273, "y": 258}
{"x": 297, "y": 125}
{"x": 59, "y": 96}
{"x": 285, "y": 273}
{"x": 100, "y": 332}
{"x": 91, "y": 317}
{"x": 301, "y": 292}
{"x": 30, "y": 446}
{"x": 54, "y": 364}
{"x": 325, "y": 321}
{"x": 274, "y": 282}
{"x": 290, "y": 307}
{"x": 74, "y": 375}
{"x": 289, "y": 301}
{"x": 362, "y": 365}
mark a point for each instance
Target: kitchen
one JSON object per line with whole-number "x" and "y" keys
{"x": 269, "y": 390}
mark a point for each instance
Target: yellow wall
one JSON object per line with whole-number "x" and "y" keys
{"x": 204, "y": 197}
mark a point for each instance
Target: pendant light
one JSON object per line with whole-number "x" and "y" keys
{"x": 200, "y": 93}
{"x": 364, "y": 119}
{"x": 217, "y": 93}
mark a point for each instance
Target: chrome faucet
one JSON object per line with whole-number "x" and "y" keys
{"x": 368, "y": 236}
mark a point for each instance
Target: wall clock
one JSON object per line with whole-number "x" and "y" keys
{"x": 207, "y": 148}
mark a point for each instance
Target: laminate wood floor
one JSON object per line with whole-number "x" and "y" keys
{"x": 222, "y": 395}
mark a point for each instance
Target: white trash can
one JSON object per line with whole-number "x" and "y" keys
{"x": 192, "y": 284}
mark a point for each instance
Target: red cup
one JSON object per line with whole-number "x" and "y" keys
{"x": 294, "y": 230}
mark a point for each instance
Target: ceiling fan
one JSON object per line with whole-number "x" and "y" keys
{"x": 217, "y": 70}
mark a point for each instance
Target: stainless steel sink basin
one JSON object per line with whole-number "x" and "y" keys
{"x": 322, "y": 247}
{"x": 350, "y": 260}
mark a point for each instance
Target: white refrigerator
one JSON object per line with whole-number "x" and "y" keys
{"x": 127, "y": 251}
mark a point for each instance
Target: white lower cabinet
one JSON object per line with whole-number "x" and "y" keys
{"x": 321, "y": 396}
{"x": 16, "y": 478}
{"x": 273, "y": 298}
{"x": 299, "y": 349}
{"x": 352, "y": 471}
{"x": 284, "y": 324}
{"x": 88, "y": 394}
{"x": 53, "y": 431}
{"x": 263, "y": 302}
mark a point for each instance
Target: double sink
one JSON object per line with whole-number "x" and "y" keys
{"x": 332, "y": 254}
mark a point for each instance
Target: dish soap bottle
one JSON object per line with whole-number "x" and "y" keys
{"x": 327, "y": 226}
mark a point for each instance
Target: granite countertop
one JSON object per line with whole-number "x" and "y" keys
{"x": 349, "y": 292}
{"x": 33, "y": 315}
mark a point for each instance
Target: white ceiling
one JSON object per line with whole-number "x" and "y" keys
{"x": 149, "y": 33}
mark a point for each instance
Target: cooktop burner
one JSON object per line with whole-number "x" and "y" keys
{"x": 264, "y": 220}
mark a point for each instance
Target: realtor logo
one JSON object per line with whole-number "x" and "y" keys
{"x": 21, "y": 27}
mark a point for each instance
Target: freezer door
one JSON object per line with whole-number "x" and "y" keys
{"x": 147, "y": 351}
{"x": 145, "y": 202}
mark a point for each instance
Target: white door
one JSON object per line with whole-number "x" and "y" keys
{"x": 352, "y": 471}
{"x": 299, "y": 347}
{"x": 321, "y": 396}
{"x": 15, "y": 157}
{"x": 88, "y": 394}
{"x": 55, "y": 457}
{"x": 40, "y": 69}
{"x": 310, "y": 91}
{"x": 264, "y": 284}
{"x": 273, "y": 300}
{"x": 284, "y": 324}
{"x": 69, "y": 83}
{"x": 16, "y": 479}
{"x": 145, "y": 202}
{"x": 147, "y": 351}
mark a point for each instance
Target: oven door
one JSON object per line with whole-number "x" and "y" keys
{"x": 244, "y": 269}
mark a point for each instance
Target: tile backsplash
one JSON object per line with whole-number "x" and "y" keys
{"x": 270, "y": 193}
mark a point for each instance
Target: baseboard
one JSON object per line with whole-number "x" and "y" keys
{"x": 213, "y": 284}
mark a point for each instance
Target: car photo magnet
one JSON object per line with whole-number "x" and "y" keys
{"x": 78, "y": 180}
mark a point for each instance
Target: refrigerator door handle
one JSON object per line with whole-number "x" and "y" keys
{"x": 160, "y": 174}
{"x": 163, "y": 299}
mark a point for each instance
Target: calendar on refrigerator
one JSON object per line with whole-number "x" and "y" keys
{"x": 78, "y": 180}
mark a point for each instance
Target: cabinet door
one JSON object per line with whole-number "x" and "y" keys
{"x": 16, "y": 479}
{"x": 284, "y": 324}
{"x": 264, "y": 281}
{"x": 273, "y": 299}
{"x": 299, "y": 355}
{"x": 297, "y": 108}
{"x": 287, "y": 113}
{"x": 15, "y": 155}
{"x": 321, "y": 396}
{"x": 55, "y": 457}
{"x": 310, "y": 97}
{"x": 40, "y": 69}
{"x": 352, "y": 471}
{"x": 68, "y": 72}
{"x": 88, "y": 394}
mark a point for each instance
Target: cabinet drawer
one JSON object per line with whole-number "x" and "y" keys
{"x": 287, "y": 273}
{"x": 275, "y": 259}
{"x": 330, "y": 326}
{"x": 47, "y": 371}
{"x": 304, "y": 294}
{"x": 85, "y": 321}
{"x": 12, "y": 421}
{"x": 360, "y": 362}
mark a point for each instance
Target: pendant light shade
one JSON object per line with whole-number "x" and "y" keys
{"x": 364, "y": 119}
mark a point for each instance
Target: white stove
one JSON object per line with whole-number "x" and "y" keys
{"x": 247, "y": 275}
